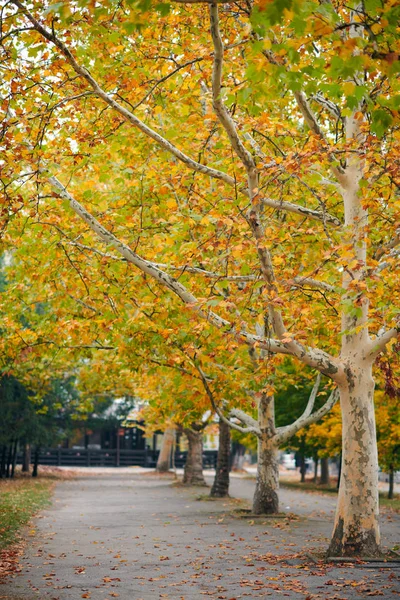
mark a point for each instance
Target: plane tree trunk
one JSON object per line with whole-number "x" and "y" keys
{"x": 324, "y": 470}
{"x": 193, "y": 472}
{"x": 356, "y": 529}
{"x": 266, "y": 500}
{"x": 164, "y": 458}
{"x": 220, "y": 487}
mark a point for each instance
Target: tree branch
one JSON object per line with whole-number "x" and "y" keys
{"x": 381, "y": 340}
{"x": 163, "y": 278}
{"x": 313, "y": 283}
{"x": 244, "y": 417}
{"x": 124, "y": 112}
{"x": 302, "y": 210}
{"x": 395, "y": 241}
{"x": 221, "y": 415}
{"x": 218, "y": 105}
{"x": 285, "y": 433}
{"x": 296, "y": 282}
{"x": 331, "y": 107}
{"x": 250, "y": 166}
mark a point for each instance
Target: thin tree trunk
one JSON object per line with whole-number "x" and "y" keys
{"x": 324, "y": 471}
{"x": 164, "y": 458}
{"x": 193, "y": 472}
{"x": 3, "y": 461}
{"x": 26, "y": 458}
{"x": 356, "y": 529}
{"x": 316, "y": 461}
{"x": 36, "y": 462}
{"x": 9, "y": 459}
{"x": 391, "y": 483}
{"x": 220, "y": 487}
{"x": 14, "y": 458}
{"x": 266, "y": 499}
{"x": 302, "y": 468}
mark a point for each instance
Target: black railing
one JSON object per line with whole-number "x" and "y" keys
{"x": 68, "y": 457}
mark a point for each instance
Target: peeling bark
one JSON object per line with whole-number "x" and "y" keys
{"x": 164, "y": 458}
{"x": 266, "y": 500}
{"x": 220, "y": 487}
{"x": 193, "y": 472}
{"x": 356, "y": 529}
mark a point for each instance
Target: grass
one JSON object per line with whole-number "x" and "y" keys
{"x": 393, "y": 504}
{"x": 331, "y": 489}
{"x": 20, "y": 499}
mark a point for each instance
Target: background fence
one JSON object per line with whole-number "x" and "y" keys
{"x": 68, "y": 457}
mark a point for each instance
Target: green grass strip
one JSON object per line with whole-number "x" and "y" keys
{"x": 20, "y": 499}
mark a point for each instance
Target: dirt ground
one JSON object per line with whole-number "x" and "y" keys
{"x": 136, "y": 536}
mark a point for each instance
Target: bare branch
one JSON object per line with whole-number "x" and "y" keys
{"x": 387, "y": 263}
{"x": 381, "y": 340}
{"x": 331, "y": 107}
{"x": 302, "y": 210}
{"x": 395, "y": 241}
{"x": 313, "y": 283}
{"x": 124, "y": 112}
{"x": 284, "y": 433}
{"x": 308, "y": 114}
{"x": 244, "y": 417}
{"x": 168, "y": 76}
{"x": 219, "y": 107}
{"x": 181, "y": 268}
{"x": 216, "y": 408}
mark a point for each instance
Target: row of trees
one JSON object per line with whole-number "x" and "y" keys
{"x": 213, "y": 188}
{"x": 30, "y": 423}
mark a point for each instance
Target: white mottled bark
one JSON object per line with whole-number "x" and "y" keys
{"x": 193, "y": 472}
{"x": 266, "y": 495}
{"x": 356, "y": 529}
{"x": 164, "y": 458}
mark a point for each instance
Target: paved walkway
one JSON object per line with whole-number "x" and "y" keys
{"x": 138, "y": 537}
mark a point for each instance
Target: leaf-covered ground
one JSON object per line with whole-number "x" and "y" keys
{"x": 139, "y": 537}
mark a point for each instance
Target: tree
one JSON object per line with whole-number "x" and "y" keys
{"x": 319, "y": 126}
{"x": 167, "y": 447}
{"x": 270, "y": 438}
{"x": 17, "y": 422}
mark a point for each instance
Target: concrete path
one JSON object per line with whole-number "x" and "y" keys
{"x": 138, "y": 537}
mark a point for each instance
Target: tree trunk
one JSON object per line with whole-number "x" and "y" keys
{"x": 164, "y": 458}
{"x": 356, "y": 529}
{"x": 302, "y": 468}
{"x": 316, "y": 461}
{"x": 324, "y": 471}
{"x": 220, "y": 487}
{"x": 3, "y": 461}
{"x": 193, "y": 472}
{"x": 9, "y": 459}
{"x": 36, "y": 462}
{"x": 266, "y": 499}
{"x": 26, "y": 458}
{"x": 391, "y": 483}
{"x": 14, "y": 458}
